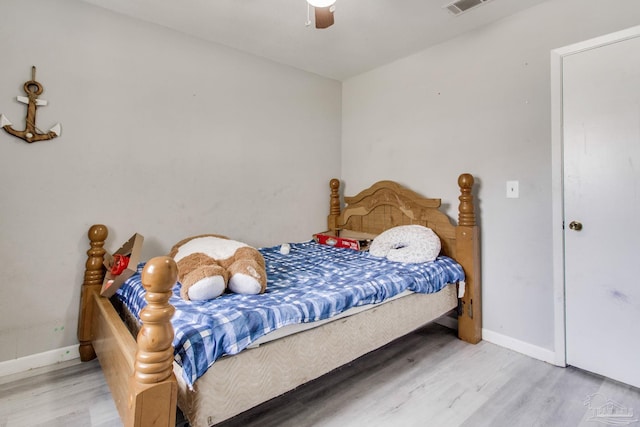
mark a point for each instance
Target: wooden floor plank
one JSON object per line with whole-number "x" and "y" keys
{"x": 428, "y": 378}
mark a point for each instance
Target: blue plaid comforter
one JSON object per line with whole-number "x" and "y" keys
{"x": 313, "y": 282}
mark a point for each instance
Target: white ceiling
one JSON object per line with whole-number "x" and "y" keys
{"x": 366, "y": 33}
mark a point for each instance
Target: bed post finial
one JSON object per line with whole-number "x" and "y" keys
{"x": 466, "y": 214}
{"x": 334, "y": 204}
{"x": 93, "y": 276}
{"x": 94, "y": 268}
{"x": 153, "y": 369}
{"x": 154, "y": 359}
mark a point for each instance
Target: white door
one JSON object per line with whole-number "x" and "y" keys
{"x": 601, "y": 160}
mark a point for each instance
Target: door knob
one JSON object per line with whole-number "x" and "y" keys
{"x": 575, "y": 225}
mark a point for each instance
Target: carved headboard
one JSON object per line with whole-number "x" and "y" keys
{"x": 387, "y": 204}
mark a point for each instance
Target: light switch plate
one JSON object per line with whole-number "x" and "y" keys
{"x": 513, "y": 191}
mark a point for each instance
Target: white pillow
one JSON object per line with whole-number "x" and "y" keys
{"x": 407, "y": 243}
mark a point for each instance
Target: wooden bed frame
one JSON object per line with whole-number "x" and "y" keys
{"x": 140, "y": 372}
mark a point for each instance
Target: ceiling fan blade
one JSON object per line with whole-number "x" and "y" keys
{"x": 324, "y": 16}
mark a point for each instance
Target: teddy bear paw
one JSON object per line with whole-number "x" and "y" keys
{"x": 207, "y": 288}
{"x": 241, "y": 283}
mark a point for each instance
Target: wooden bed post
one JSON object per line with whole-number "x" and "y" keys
{"x": 93, "y": 276}
{"x": 334, "y": 205}
{"x": 153, "y": 388}
{"x": 468, "y": 255}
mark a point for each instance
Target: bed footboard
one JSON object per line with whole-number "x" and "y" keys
{"x": 139, "y": 374}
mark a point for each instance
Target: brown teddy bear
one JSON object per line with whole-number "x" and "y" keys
{"x": 209, "y": 264}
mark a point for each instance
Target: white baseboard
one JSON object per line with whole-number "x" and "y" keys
{"x": 505, "y": 341}
{"x": 42, "y": 362}
{"x": 525, "y": 348}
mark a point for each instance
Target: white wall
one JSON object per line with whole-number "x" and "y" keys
{"x": 480, "y": 103}
{"x": 163, "y": 135}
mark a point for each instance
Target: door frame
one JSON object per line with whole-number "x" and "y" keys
{"x": 557, "y": 173}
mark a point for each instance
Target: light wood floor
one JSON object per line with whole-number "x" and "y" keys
{"x": 428, "y": 378}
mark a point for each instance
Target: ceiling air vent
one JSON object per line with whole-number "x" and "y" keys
{"x": 460, "y": 6}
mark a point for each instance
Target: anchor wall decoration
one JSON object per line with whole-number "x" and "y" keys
{"x": 31, "y": 133}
